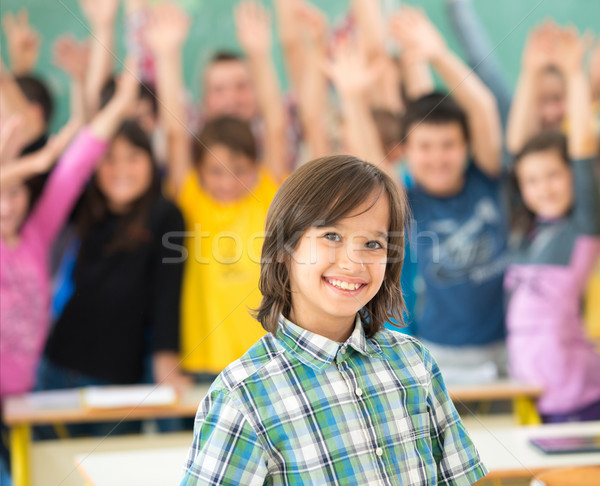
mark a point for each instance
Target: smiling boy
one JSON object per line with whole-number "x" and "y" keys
{"x": 328, "y": 396}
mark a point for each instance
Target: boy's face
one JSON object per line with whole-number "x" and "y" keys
{"x": 14, "y": 203}
{"x": 551, "y": 101}
{"x": 546, "y": 184}
{"x": 336, "y": 270}
{"x": 227, "y": 176}
{"x": 228, "y": 90}
{"x": 437, "y": 157}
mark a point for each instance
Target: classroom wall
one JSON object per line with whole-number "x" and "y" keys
{"x": 507, "y": 22}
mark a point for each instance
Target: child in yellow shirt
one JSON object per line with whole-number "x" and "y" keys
{"x": 222, "y": 190}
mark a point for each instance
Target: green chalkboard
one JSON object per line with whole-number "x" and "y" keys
{"x": 507, "y": 22}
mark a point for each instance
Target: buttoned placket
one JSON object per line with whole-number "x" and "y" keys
{"x": 368, "y": 428}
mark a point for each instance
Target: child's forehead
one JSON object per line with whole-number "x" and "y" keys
{"x": 372, "y": 216}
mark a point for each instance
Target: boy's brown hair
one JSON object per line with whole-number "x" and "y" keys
{"x": 230, "y": 132}
{"x": 320, "y": 193}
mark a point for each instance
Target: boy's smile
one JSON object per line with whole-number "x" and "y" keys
{"x": 336, "y": 270}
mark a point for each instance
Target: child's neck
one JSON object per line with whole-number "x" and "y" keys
{"x": 336, "y": 329}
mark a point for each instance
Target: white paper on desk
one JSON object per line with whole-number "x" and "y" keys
{"x": 129, "y": 396}
{"x": 52, "y": 399}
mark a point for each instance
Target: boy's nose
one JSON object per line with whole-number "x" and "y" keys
{"x": 351, "y": 259}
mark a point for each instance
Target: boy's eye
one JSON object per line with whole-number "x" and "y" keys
{"x": 332, "y": 237}
{"x": 374, "y": 245}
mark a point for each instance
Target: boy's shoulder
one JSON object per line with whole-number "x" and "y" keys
{"x": 250, "y": 366}
{"x": 407, "y": 353}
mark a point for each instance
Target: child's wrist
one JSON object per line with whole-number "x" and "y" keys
{"x": 103, "y": 29}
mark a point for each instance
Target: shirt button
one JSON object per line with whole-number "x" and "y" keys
{"x": 358, "y": 392}
{"x": 343, "y": 349}
{"x": 379, "y": 451}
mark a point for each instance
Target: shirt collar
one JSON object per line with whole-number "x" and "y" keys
{"x": 318, "y": 351}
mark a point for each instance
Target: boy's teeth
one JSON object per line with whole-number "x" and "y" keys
{"x": 344, "y": 285}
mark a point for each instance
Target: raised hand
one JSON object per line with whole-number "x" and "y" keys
{"x": 128, "y": 85}
{"x": 23, "y": 42}
{"x": 253, "y": 26}
{"x": 417, "y": 35}
{"x": 571, "y": 49}
{"x": 167, "y": 28}
{"x": 100, "y": 13}
{"x": 540, "y": 48}
{"x": 313, "y": 21}
{"x": 71, "y": 56}
{"x": 348, "y": 69}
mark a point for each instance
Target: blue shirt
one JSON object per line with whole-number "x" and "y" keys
{"x": 298, "y": 408}
{"x": 460, "y": 246}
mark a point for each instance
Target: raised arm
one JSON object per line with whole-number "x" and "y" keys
{"x": 352, "y": 76}
{"x": 480, "y": 53}
{"x": 370, "y": 25}
{"x": 313, "y": 91}
{"x": 72, "y": 57}
{"x": 290, "y": 36}
{"x": 101, "y": 16}
{"x": 423, "y": 41}
{"x": 14, "y": 102}
{"x": 371, "y": 34}
{"x": 253, "y": 24}
{"x": 106, "y": 123}
{"x": 416, "y": 73}
{"x": 523, "y": 119}
{"x": 23, "y": 42}
{"x": 76, "y": 165}
{"x": 594, "y": 72}
{"x": 582, "y": 139}
{"x": 166, "y": 33}
{"x": 14, "y": 169}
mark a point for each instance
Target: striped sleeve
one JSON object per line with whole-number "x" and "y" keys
{"x": 456, "y": 457}
{"x": 225, "y": 449}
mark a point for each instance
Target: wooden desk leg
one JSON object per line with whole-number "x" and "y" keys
{"x": 525, "y": 411}
{"x": 20, "y": 438}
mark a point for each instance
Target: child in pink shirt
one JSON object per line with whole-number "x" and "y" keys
{"x": 26, "y": 240}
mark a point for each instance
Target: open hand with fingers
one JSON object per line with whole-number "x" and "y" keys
{"x": 167, "y": 28}
{"x": 417, "y": 35}
{"x": 23, "y": 42}
{"x": 253, "y": 27}
{"x": 349, "y": 70}
{"x": 71, "y": 56}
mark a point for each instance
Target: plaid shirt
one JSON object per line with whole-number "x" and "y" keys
{"x": 299, "y": 408}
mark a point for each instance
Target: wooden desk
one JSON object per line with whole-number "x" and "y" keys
{"x": 504, "y": 449}
{"x": 22, "y": 412}
{"x": 507, "y": 453}
{"x": 522, "y": 396}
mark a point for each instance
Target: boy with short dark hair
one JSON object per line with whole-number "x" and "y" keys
{"x": 453, "y": 150}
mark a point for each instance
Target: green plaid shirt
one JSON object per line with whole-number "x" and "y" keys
{"x": 298, "y": 408}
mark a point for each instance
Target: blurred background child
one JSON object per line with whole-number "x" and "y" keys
{"x": 556, "y": 244}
